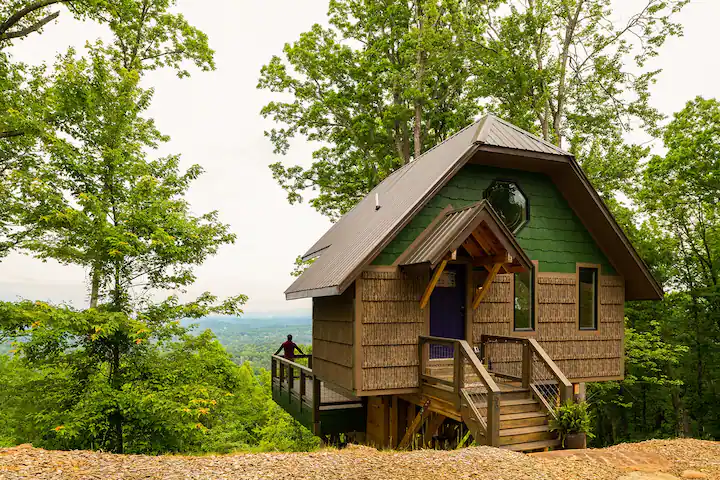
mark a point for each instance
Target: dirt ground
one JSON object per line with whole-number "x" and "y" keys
{"x": 651, "y": 460}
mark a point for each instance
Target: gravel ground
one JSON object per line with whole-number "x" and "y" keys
{"x": 672, "y": 457}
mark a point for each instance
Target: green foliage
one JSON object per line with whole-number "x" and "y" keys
{"x": 34, "y": 109}
{"x": 382, "y": 83}
{"x": 573, "y": 417}
{"x": 174, "y": 391}
{"x": 387, "y": 79}
{"x": 300, "y": 266}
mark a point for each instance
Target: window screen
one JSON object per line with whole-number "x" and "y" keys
{"x": 524, "y": 300}
{"x": 588, "y": 298}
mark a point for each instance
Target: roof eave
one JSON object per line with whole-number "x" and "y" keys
{"x": 314, "y": 292}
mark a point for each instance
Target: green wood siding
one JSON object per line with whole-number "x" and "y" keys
{"x": 554, "y": 236}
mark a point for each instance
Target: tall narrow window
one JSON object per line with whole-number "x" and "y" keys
{"x": 588, "y": 285}
{"x": 524, "y": 300}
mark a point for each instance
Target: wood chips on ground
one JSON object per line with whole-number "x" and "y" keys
{"x": 669, "y": 458}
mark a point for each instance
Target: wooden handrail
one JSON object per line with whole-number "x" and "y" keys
{"x": 487, "y": 380}
{"x": 462, "y": 352}
{"x": 563, "y": 383}
{"x": 278, "y": 366}
{"x": 292, "y": 364}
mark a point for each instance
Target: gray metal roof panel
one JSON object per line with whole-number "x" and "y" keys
{"x": 443, "y": 235}
{"x": 359, "y": 235}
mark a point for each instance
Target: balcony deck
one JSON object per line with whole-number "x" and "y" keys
{"x": 320, "y": 406}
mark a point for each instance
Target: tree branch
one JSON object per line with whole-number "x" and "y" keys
{"x": 28, "y": 9}
{"x": 32, "y": 28}
{"x": 12, "y": 133}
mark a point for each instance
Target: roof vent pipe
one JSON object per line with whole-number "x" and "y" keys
{"x": 377, "y": 201}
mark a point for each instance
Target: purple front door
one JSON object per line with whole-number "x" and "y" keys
{"x": 447, "y": 309}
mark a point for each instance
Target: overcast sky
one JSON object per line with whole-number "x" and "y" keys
{"x": 213, "y": 119}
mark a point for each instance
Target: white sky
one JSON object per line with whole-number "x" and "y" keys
{"x": 213, "y": 119}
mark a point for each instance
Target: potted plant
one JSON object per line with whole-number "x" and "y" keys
{"x": 572, "y": 421}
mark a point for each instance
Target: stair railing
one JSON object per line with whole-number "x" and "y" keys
{"x": 480, "y": 396}
{"x": 545, "y": 379}
{"x": 538, "y": 372}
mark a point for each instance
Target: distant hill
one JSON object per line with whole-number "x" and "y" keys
{"x": 254, "y": 338}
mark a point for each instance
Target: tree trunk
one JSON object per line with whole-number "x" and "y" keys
{"x": 419, "y": 78}
{"x": 94, "y": 287}
{"x": 564, "y": 56}
{"x": 116, "y": 419}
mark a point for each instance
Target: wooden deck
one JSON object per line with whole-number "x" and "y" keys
{"x": 323, "y": 408}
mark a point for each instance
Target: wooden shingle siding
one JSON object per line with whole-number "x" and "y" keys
{"x": 333, "y": 338}
{"x": 384, "y": 355}
{"x": 392, "y": 321}
{"x": 333, "y": 373}
{"x": 580, "y": 354}
{"x": 390, "y": 378}
{"x": 494, "y": 315}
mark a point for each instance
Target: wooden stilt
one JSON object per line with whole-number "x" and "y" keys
{"x": 432, "y": 427}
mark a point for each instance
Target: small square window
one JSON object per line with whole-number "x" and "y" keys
{"x": 588, "y": 298}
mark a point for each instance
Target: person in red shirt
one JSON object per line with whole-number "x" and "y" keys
{"x": 289, "y": 349}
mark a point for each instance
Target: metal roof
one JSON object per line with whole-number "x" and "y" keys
{"x": 445, "y": 236}
{"x": 499, "y": 133}
{"x": 454, "y": 228}
{"x": 364, "y": 231}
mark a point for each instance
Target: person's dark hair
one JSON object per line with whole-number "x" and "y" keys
{"x": 289, "y": 337}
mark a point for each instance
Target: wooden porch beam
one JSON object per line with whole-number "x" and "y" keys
{"x": 431, "y": 286}
{"x": 415, "y": 426}
{"x": 504, "y": 258}
{"x": 486, "y": 285}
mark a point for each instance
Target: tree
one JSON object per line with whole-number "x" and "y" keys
{"x": 679, "y": 194}
{"x": 384, "y": 71}
{"x": 382, "y": 84}
{"x": 178, "y": 392}
{"x": 146, "y": 36}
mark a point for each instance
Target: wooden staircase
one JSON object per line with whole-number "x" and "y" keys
{"x": 499, "y": 410}
{"x": 524, "y": 424}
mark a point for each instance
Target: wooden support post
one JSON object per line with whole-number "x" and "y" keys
{"x": 493, "y": 420}
{"x": 273, "y": 368}
{"x": 316, "y": 407}
{"x": 415, "y": 426}
{"x": 457, "y": 372}
{"x": 433, "y": 424}
{"x": 393, "y": 421}
{"x": 486, "y": 285}
{"x": 302, "y": 385}
{"x": 309, "y": 358}
{"x": 527, "y": 365}
{"x": 431, "y": 286}
{"x": 282, "y": 374}
{"x": 566, "y": 393}
{"x": 291, "y": 378}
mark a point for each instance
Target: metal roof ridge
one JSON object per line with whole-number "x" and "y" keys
{"x": 530, "y": 135}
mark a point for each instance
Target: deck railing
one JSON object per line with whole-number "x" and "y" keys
{"x": 292, "y": 381}
{"x": 464, "y": 382}
{"x": 536, "y": 371}
{"x": 322, "y": 408}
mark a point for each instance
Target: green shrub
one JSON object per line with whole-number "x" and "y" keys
{"x": 572, "y": 418}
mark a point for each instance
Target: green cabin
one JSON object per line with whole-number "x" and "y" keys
{"x": 471, "y": 292}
